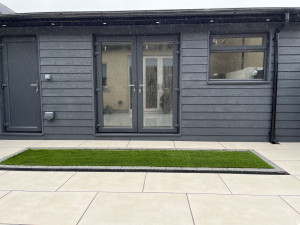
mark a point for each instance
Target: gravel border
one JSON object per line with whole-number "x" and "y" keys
{"x": 275, "y": 171}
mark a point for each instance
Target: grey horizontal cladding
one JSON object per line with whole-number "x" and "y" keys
{"x": 288, "y": 124}
{"x": 73, "y": 115}
{"x": 194, "y": 76}
{"x": 291, "y": 31}
{"x": 66, "y": 69}
{"x": 68, "y": 123}
{"x": 289, "y": 75}
{"x": 66, "y": 85}
{"x": 225, "y": 124}
{"x": 64, "y": 38}
{"x": 225, "y": 131}
{"x": 66, "y": 45}
{"x": 226, "y": 100}
{"x": 66, "y": 61}
{"x": 288, "y": 91}
{"x": 67, "y": 100}
{"x": 68, "y": 77}
{"x": 227, "y": 108}
{"x": 295, "y": 100}
{"x": 201, "y": 44}
{"x": 227, "y": 92}
{"x": 194, "y": 36}
{"x": 193, "y": 60}
{"x": 286, "y": 67}
{"x": 289, "y": 58}
{"x": 69, "y": 130}
{"x": 289, "y": 42}
{"x": 194, "y": 52}
{"x": 68, "y": 108}
{"x": 233, "y": 138}
{"x": 203, "y": 84}
{"x": 226, "y": 116}
{"x": 65, "y": 53}
{"x": 194, "y": 68}
{"x": 289, "y": 83}
{"x": 67, "y": 92}
{"x": 289, "y": 109}
{"x": 288, "y": 139}
{"x": 288, "y": 132}
{"x": 287, "y": 116}
{"x": 289, "y": 50}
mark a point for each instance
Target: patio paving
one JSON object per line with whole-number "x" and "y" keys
{"x": 152, "y": 198}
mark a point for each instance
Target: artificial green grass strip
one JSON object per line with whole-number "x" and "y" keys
{"x": 154, "y": 158}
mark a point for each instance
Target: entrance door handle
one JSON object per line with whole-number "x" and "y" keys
{"x": 132, "y": 85}
{"x": 140, "y": 86}
{"x": 35, "y": 85}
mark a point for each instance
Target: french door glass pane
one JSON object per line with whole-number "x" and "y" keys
{"x": 157, "y": 84}
{"x": 116, "y": 80}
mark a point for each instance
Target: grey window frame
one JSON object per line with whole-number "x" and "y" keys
{"x": 251, "y": 48}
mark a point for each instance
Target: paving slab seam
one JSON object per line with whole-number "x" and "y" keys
{"x": 66, "y": 181}
{"x": 3, "y": 173}
{"x": 296, "y": 176}
{"x": 225, "y": 184}
{"x": 144, "y": 182}
{"x": 82, "y": 143}
{"x": 5, "y": 194}
{"x": 86, "y": 209}
{"x": 187, "y": 198}
{"x": 288, "y": 204}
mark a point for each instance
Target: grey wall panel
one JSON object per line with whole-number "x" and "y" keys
{"x": 66, "y": 69}
{"x": 68, "y": 59}
{"x": 227, "y": 112}
{"x": 65, "y": 53}
{"x": 65, "y": 45}
{"x": 288, "y": 108}
{"x": 69, "y": 77}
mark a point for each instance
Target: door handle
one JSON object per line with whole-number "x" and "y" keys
{"x": 35, "y": 85}
{"x": 140, "y": 86}
{"x": 132, "y": 85}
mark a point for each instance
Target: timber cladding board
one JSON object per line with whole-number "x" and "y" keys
{"x": 288, "y": 108}
{"x": 69, "y": 93}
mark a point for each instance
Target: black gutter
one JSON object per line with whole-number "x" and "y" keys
{"x": 275, "y": 79}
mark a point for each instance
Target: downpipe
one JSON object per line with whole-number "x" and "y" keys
{"x": 275, "y": 79}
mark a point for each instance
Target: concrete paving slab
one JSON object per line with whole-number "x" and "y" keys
{"x": 247, "y": 145}
{"x": 33, "y": 181}
{"x": 109, "y": 181}
{"x": 262, "y": 184}
{"x": 17, "y": 143}
{"x": 58, "y": 144}
{"x": 138, "y": 208}
{"x": 241, "y": 210}
{"x": 4, "y": 152}
{"x": 292, "y": 167}
{"x": 185, "y": 183}
{"x": 44, "y": 207}
{"x": 104, "y": 144}
{"x": 198, "y": 145}
{"x": 293, "y": 201}
{"x": 151, "y": 144}
{"x": 280, "y": 154}
{"x": 288, "y": 146}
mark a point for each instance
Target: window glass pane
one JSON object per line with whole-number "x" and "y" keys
{"x": 247, "y": 41}
{"x": 158, "y": 84}
{"x": 237, "y": 65}
{"x": 116, "y": 80}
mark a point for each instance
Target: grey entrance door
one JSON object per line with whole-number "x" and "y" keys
{"x": 21, "y": 85}
{"x": 137, "y": 84}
